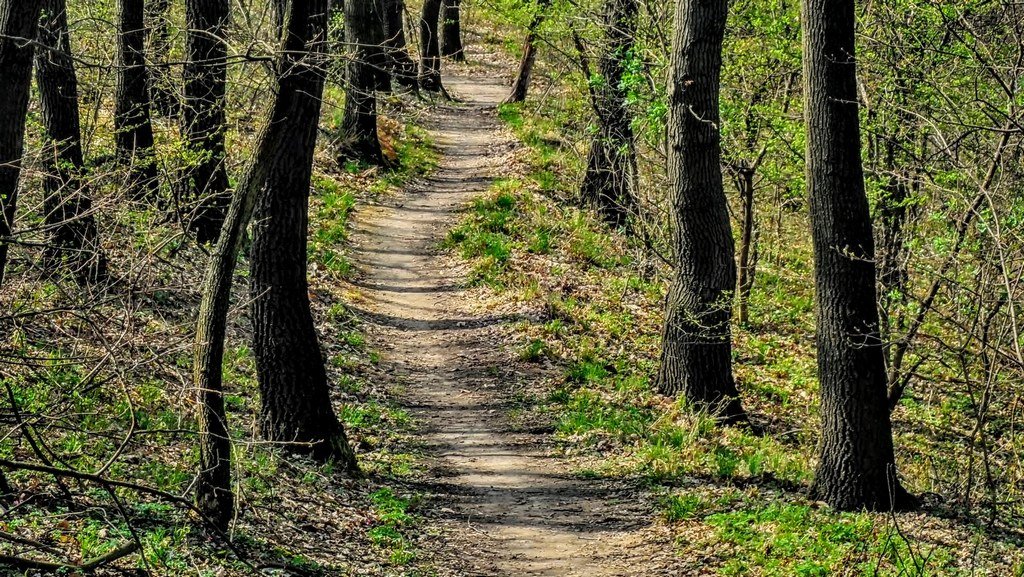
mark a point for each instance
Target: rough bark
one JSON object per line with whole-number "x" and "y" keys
{"x": 296, "y": 407}
{"x": 205, "y": 76}
{"x": 451, "y": 31}
{"x": 293, "y": 113}
{"x": 610, "y": 180}
{"x": 430, "y": 46}
{"x": 401, "y": 65}
{"x": 132, "y": 122}
{"x": 18, "y": 22}
{"x": 857, "y": 467}
{"x": 358, "y": 139}
{"x": 521, "y": 85}
{"x": 73, "y": 240}
{"x": 696, "y": 357}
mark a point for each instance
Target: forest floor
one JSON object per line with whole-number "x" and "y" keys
{"x": 505, "y": 502}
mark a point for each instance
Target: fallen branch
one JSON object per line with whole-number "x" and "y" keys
{"x": 90, "y": 565}
{"x": 20, "y": 465}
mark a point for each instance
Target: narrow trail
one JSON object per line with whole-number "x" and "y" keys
{"x": 508, "y": 505}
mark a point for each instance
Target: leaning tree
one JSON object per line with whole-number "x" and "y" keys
{"x": 296, "y": 406}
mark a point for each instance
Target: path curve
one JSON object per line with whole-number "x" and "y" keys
{"x": 508, "y": 505}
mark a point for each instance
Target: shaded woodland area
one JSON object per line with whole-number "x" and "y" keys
{"x": 761, "y": 263}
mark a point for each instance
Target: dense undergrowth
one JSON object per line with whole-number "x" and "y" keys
{"x": 734, "y": 497}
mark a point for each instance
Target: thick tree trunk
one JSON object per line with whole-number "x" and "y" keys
{"x": 521, "y": 85}
{"x": 18, "y": 27}
{"x": 205, "y": 76}
{"x": 296, "y": 405}
{"x": 132, "y": 123}
{"x": 430, "y": 46}
{"x": 451, "y": 31}
{"x": 73, "y": 241}
{"x": 363, "y": 27}
{"x": 401, "y": 65}
{"x": 857, "y": 467}
{"x": 610, "y": 180}
{"x": 696, "y": 357}
{"x": 161, "y": 83}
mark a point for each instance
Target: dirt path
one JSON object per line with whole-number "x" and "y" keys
{"x": 508, "y": 505}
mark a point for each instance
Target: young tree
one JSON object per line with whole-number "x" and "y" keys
{"x": 363, "y": 28}
{"x": 857, "y": 467}
{"x": 451, "y": 31}
{"x": 18, "y": 22}
{"x": 296, "y": 406}
{"x": 205, "y": 76}
{"x": 610, "y": 180}
{"x": 696, "y": 356}
{"x": 132, "y": 123}
{"x": 521, "y": 85}
{"x": 430, "y": 47}
{"x": 400, "y": 64}
{"x": 73, "y": 241}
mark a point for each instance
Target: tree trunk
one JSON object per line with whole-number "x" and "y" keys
{"x": 296, "y": 406}
{"x": 280, "y": 8}
{"x": 161, "y": 84}
{"x": 402, "y": 66}
{"x": 363, "y": 27}
{"x": 696, "y": 357}
{"x": 18, "y": 22}
{"x": 610, "y": 180}
{"x": 132, "y": 124}
{"x": 857, "y": 468}
{"x": 205, "y": 76}
{"x": 451, "y": 31}
{"x": 73, "y": 241}
{"x": 748, "y": 242}
{"x": 430, "y": 57}
{"x": 522, "y": 82}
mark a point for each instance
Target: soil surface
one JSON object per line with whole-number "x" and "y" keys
{"x": 502, "y": 500}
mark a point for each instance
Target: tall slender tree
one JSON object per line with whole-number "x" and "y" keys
{"x": 857, "y": 466}
{"x": 696, "y": 350}
{"x": 401, "y": 65}
{"x": 364, "y": 30}
{"x": 18, "y": 22}
{"x": 521, "y": 84}
{"x": 132, "y": 122}
{"x": 451, "y": 31}
{"x": 430, "y": 46}
{"x": 296, "y": 406}
{"x": 205, "y": 75}
{"x": 610, "y": 180}
{"x": 73, "y": 240}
